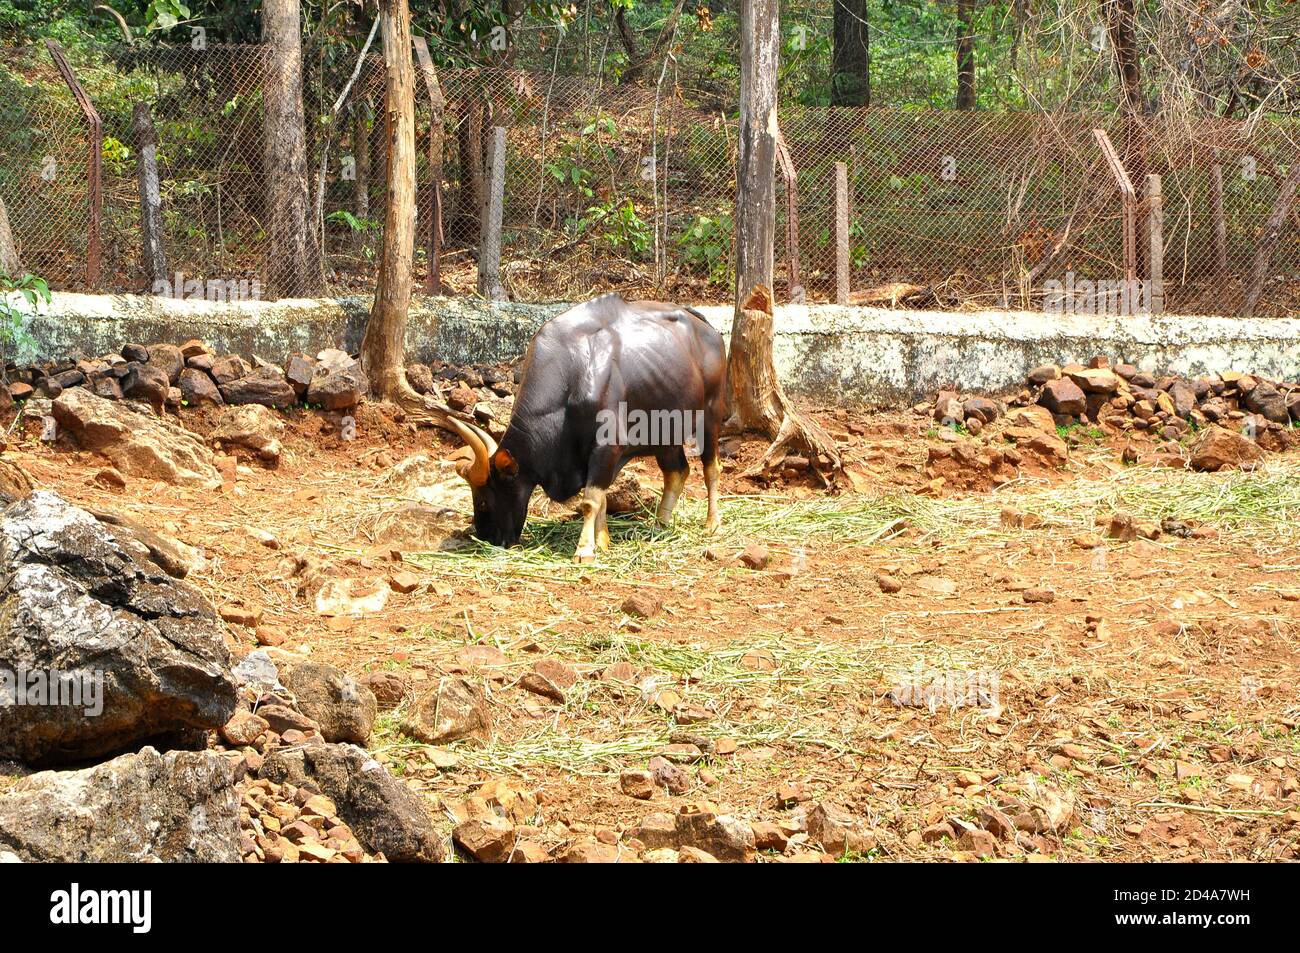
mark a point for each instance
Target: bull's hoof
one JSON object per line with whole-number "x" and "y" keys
{"x": 589, "y": 556}
{"x": 713, "y": 525}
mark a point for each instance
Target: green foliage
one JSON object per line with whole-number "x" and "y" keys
{"x": 26, "y": 21}
{"x": 572, "y": 169}
{"x": 567, "y": 173}
{"x": 706, "y": 247}
{"x": 858, "y": 251}
{"x": 162, "y": 15}
{"x": 470, "y": 32}
{"x": 1081, "y": 432}
{"x": 115, "y": 154}
{"x": 805, "y": 54}
{"x": 600, "y": 124}
{"x": 32, "y": 291}
{"x": 621, "y": 228}
{"x": 351, "y": 222}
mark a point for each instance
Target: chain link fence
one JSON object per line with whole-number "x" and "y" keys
{"x": 631, "y": 188}
{"x": 45, "y": 149}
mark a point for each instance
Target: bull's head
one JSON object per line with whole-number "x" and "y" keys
{"x": 500, "y": 494}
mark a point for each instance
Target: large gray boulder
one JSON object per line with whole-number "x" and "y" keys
{"x": 174, "y": 807}
{"x": 139, "y": 654}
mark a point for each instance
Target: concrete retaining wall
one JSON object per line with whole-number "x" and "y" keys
{"x": 851, "y": 356}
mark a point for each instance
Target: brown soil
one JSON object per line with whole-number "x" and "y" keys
{"x": 1154, "y": 695}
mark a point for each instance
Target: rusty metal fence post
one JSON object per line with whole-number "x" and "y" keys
{"x": 1129, "y": 196}
{"x": 94, "y": 175}
{"x": 794, "y": 284}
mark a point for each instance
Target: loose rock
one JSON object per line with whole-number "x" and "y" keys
{"x": 1221, "y": 449}
{"x": 344, "y": 709}
{"x": 455, "y": 708}
{"x": 137, "y": 444}
{"x": 386, "y": 815}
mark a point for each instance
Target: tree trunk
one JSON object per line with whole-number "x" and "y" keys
{"x": 151, "y": 220}
{"x": 361, "y": 186}
{"x": 10, "y": 263}
{"x": 625, "y": 35}
{"x": 637, "y": 63}
{"x": 965, "y": 55}
{"x": 383, "y": 350}
{"x": 514, "y": 15}
{"x": 1122, "y": 24}
{"x": 293, "y": 265}
{"x": 469, "y": 145}
{"x": 1268, "y": 239}
{"x": 758, "y": 401}
{"x": 851, "y": 55}
{"x": 760, "y": 44}
{"x": 433, "y": 213}
{"x": 489, "y": 254}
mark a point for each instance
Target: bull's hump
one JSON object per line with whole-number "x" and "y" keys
{"x": 586, "y": 317}
{"x": 610, "y": 314}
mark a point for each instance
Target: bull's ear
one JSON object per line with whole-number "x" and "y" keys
{"x": 504, "y": 463}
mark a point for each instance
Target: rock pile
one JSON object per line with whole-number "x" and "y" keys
{"x": 387, "y": 817}
{"x": 307, "y": 793}
{"x": 486, "y": 391}
{"x": 105, "y": 651}
{"x": 1229, "y": 418}
{"x": 191, "y": 374}
{"x": 503, "y": 822}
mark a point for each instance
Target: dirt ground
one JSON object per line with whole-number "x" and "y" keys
{"x": 1142, "y": 707}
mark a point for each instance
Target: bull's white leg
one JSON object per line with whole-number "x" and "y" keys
{"x": 593, "y": 502}
{"x": 714, "y": 521}
{"x": 674, "y": 481}
{"x": 602, "y": 526}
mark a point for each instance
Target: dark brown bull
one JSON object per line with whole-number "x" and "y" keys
{"x": 602, "y": 383}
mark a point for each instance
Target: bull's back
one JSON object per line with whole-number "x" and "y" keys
{"x": 645, "y": 354}
{"x": 609, "y": 356}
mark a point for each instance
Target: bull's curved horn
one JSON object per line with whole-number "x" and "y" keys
{"x": 475, "y": 471}
{"x": 486, "y": 437}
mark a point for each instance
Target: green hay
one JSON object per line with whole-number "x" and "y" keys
{"x": 1260, "y": 506}
{"x": 806, "y": 686}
